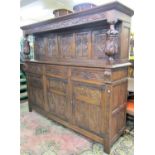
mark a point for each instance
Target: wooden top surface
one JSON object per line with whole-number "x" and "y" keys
{"x": 84, "y": 64}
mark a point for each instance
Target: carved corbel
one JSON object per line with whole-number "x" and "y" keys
{"x": 111, "y": 47}
{"x": 26, "y": 47}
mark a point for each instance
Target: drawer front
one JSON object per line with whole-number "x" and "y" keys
{"x": 34, "y": 68}
{"x": 56, "y": 84}
{"x": 91, "y": 75}
{"x": 35, "y": 80}
{"x": 57, "y": 71}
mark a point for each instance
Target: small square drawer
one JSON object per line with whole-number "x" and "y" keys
{"x": 34, "y": 68}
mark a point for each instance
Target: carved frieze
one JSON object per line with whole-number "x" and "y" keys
{"x": 100, "y": 16}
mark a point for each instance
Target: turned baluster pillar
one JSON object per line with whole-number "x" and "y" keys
{"x": 111, "y": 48}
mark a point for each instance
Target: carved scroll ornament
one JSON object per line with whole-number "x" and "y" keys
{"x": 111, "y": 47}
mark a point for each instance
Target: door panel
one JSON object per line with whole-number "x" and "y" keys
{"x": 88, "y": 106}
{"x": 57, "y": 97}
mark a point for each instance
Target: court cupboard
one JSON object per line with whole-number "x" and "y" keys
{"x": 78, "y": 76}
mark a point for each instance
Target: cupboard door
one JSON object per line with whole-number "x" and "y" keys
{"x": 57, "y": 97}
{"x": 88, "y": 107}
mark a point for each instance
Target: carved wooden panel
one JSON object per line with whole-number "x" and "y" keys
{"x": 119, "y": 95}
{"x": 58, "y": 105}
{"x": 87, "y": 94}
{"x": 114, "y": 130}
{"x": 118, "y": 113}
{"x": 52, "y": 46}
{"x": 82, "y": 44}
{"x": 40, "y": 47}
{"x": 121, "y": 119}
{"x": 35, "y": 88}
{"x": 116, "y": 94}
{"x": 125, "y": 35}
{"x": 99, "y": 43}
{"x": 57, "y": 97}
{"x": 31, "y": 95}
{"x": 66, "y": 45}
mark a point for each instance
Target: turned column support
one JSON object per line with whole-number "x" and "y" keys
{"x": 111, "y": 48}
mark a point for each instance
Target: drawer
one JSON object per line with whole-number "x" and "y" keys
{"x": 57, "y": 71}
{"x": 90, "y": 75}
{"x": 57, "y": 85}
{"x": 34, "y": 68}
{"x": 35, "y": 80}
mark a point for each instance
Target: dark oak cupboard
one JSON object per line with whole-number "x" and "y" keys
{"x": 78, "y": 76}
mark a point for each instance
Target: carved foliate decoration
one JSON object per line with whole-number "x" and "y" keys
{"x": 112, "y": 42}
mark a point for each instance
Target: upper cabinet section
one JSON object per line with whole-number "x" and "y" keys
{"x": 86, "y": 38}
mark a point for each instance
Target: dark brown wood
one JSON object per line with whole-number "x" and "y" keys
{"x": 71, "y": 79}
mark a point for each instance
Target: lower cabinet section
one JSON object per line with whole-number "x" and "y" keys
{"x": 87, "y": 105}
